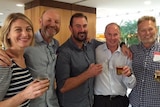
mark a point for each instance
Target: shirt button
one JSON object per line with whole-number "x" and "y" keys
{"x": 140, "y": 99}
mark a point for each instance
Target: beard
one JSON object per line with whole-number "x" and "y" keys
{"x": 81, "y": 36}
{"x": 148, "y": 41}
{"x": 49, "y": 31}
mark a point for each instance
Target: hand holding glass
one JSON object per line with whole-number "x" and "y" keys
{"x": 42, "y": 76}
{"x": 157, "y": 75}
{"x": 119, "y": 63}
{"x": 119, "y": 70}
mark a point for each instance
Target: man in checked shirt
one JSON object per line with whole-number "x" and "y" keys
{"x": 146, "y": 93}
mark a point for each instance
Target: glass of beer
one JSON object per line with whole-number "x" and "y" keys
{"x": 119, "y": 70}
{"x": 119, "y": 63}
{"x": 157, "y": 75}
{"x": 42, "y": 76}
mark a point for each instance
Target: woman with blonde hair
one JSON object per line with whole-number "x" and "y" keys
{"x": 17, "y": 86}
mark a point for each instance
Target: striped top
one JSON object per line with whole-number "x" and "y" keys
{"x": 21, "y": 77}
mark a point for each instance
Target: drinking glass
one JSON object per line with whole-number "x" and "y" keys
{"x": 157, "y": 75}
{"x": 119, "y": 63}
{"x": 42, "y": 76}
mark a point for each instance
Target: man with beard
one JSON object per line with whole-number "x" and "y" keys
{"x": 41, "y": 58}
{"x": 75, "y": 67}
{"x": 145, "y": 62}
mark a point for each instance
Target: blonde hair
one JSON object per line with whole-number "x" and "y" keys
{"x": 146, "y": 18}
{"x": 7, "y": 25}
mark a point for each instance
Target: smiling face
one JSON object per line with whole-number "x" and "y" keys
{"x": 79, "y": 29}
{"x": 20, "y": 34}
{"x": 50, "y": 23}
{"x": 147, "y": 32}
{"x": 112, "y": 35}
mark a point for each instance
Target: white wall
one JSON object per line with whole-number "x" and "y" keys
{"x": 104, "y": 17}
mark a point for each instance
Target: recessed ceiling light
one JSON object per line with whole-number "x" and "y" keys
{"x": 1, "y": 13}
{"x": 20, "y": 5}
{"x": 147, "y": 2}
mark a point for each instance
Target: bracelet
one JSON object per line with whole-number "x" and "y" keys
{"x": 130, "y": 74}
{"x": 121, "y": 44}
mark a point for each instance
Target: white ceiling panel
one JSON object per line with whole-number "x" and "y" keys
{"x": 104, "y": 7}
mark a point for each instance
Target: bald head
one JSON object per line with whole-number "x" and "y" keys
{"x": 50, "y": 22}
{"x": 112, "y": 35}
{"x": 50, "y": 11}
{"x": 115, "y": 25}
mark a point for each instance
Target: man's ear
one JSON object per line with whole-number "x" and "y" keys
{"x": 70, "y": 28}
{"x": 40, "y": 21}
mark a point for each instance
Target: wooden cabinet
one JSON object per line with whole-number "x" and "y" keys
{"x": 35, "y": 8}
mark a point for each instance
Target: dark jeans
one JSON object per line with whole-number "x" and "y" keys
{"x": 107, "y": 101}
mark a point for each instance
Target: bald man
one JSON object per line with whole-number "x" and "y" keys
{"x": 41, "y": 58}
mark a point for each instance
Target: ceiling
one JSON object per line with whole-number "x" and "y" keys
{"x": 104, "y": 7}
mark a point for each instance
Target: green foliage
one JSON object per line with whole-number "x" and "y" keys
{"x": 129, "y": 32}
